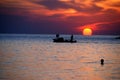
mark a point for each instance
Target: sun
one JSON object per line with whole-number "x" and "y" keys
{"x": 87, "y": 32}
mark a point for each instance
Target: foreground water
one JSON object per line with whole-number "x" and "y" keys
{"x": 36, "y": 57}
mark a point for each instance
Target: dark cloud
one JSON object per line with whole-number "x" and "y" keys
{"x": 112, "y": 28}
{"x": 110, "y": 15}
{"x": 116, "y": 5}
{"x": 93, "y": 9}
{"x": 53, "y": 4}
{"x": 98, "y": 0}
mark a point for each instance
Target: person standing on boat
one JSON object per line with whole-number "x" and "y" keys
{"x": 57, "y": 36}
{"x": 71, "y": 38}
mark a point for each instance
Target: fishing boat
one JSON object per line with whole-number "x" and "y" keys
{"x": 62, "y": 40}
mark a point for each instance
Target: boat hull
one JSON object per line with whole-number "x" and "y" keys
{"x": 65, "y": 41}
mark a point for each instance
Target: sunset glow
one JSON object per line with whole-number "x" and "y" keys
{"x": 60, "y": 16}
{"x": 87, "y": 32}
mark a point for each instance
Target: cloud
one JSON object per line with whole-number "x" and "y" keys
{"x": 109, "y": 4}
{"x": 97, "y": 26}
{"x": 53, "y": 4}
{"x": 18, "y": 7}
{"x": 81, "y": 13}
{"x": 66, "y": 8}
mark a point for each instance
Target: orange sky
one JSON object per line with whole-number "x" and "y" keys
{"x": 82, "y": 13}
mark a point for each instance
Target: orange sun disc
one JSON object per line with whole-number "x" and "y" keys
{"x": 87, "y": 32}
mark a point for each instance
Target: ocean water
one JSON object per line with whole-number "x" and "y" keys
{"x": 36, "y": 57}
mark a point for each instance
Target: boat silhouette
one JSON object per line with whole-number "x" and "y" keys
{"x": 61, "y": 39}
{"x": 117, "y": 37}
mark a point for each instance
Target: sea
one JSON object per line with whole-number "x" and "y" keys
{"x": 37, "y": 57}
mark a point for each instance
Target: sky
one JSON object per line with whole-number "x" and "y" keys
{"x": 60, "y": 16}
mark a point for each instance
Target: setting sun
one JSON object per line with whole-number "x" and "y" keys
{"x": 87, "y": 32}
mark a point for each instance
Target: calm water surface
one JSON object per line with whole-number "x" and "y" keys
{"x": 36, "y": 57}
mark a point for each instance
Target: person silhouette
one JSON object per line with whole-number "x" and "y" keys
{"x": 57, "y": 36}
{"x": 102, "y": 61}
{"x": 71, "y": 38}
